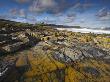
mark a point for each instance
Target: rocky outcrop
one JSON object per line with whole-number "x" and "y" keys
{"x": 48, "y": 55}
{"x": 68, "y": 55}
{"x": 17, "y": 41}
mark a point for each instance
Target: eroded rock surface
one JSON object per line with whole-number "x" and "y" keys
{"x": 44, "y": 54}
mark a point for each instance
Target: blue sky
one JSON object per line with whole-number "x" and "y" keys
{"x": 84, "y": 13}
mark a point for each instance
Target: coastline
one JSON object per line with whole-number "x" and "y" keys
{"x": 85, "y": 30}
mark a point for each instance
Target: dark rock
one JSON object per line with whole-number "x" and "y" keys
{"x": 61, "y": 57}
{"x": 92, "y": 71}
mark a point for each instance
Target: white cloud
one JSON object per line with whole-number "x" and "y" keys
{"x": 106, "y": 17}
{"x": 13, "y": 11}
{"x": 103, "y": 14}
{"x": 42, "y": 5}
{"x": 22, "y": 13}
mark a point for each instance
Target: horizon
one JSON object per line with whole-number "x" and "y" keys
{"x": 65, "y": 26}
{"x": 86, "y": 13}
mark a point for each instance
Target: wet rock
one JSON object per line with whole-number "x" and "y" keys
{"x": 74, "y": 54}
{"x": 13, "y": 47}
{"x": 93, "y": 71}
{"x": 17, "y": 41}
{"x": 92, "y": 52}
{"x": 61, "y": 57}
{"x": 6, "y": 68}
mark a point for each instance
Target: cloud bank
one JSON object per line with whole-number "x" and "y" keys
{"x": 90, "y": 13}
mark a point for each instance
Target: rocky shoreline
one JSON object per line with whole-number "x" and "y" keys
{"x": 45, "y": 54}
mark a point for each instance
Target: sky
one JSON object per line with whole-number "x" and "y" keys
{"x": 84, "y": 13}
